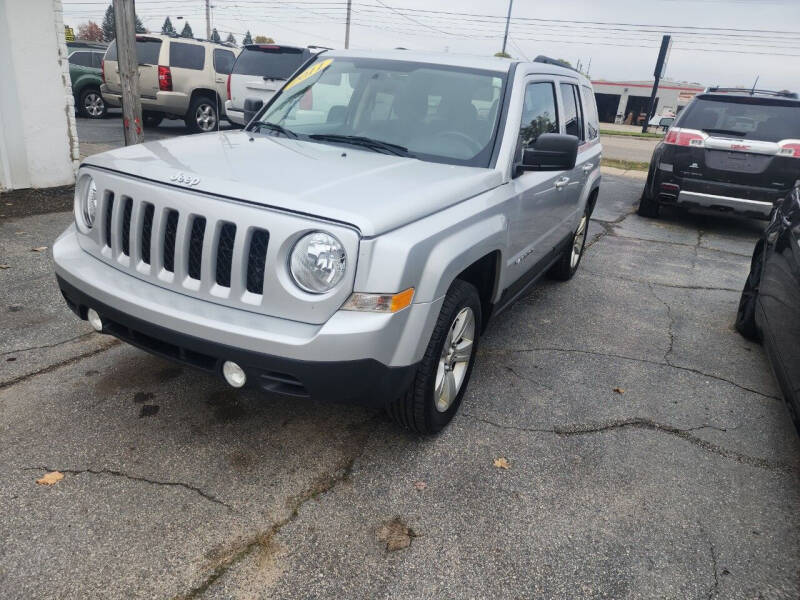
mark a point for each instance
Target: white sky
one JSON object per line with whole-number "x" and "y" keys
{"x": 767, "y": 45}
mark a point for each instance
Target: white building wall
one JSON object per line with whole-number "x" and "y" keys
{"x": 38, "y": 138}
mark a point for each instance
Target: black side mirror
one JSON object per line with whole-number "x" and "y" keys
{"x": 551, "y": 152}
{"x": 251, "y": 107}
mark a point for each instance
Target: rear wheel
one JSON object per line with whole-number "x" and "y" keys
{"x": 443, "y": 374}
{"x": 203, "y": 115}
{"x": 91, "y": 104}
{"x": 746, "y": 314}
{"x": 567, "y": 265}
{"x": 648, "y": 207}
{"x": 152, "y": 119}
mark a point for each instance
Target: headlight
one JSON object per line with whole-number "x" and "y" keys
{"x": 86, "y": 202}
{"x": 318, "y": 262}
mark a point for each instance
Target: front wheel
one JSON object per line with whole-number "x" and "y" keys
{"x": 443, "y": 374}
{"x": 91, "y": 104}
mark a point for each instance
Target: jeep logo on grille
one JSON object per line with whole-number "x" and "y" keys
{"x": 185, "y": 179}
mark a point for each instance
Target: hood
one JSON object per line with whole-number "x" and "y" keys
{"x": 372, "y": 191}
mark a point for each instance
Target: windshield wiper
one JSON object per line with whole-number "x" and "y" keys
{"x": 276, "y": 128}
{"x": 358, "y": 140}
{"x": 726, "y": 132}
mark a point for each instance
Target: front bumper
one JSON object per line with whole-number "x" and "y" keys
{"x": 354, "y": 357}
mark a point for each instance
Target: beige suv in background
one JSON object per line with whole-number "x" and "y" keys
{"x": 179, "y": 78}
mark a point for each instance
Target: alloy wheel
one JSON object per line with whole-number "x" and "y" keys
{"x": 93, "y": 104}
{"x": 206, "y": 117}
{"x": 454, "y": 360}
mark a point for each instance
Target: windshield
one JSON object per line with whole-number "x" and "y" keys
{"x": 764, "y": 119}
{"x": 434, "y": 112}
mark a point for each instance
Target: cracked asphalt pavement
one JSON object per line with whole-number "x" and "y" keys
{"x": 649, "y": 453}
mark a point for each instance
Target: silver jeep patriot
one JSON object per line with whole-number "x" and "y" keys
{"x": 353, "y": 241}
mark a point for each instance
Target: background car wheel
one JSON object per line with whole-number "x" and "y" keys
{"x": 91, "y": 104}
{"x": 203, "y": 115}
{"x": 443, "y": 374}
{"x": 152, "y": 119}
{"x": 567, "y": 265}
{"x": 746, "y": 314}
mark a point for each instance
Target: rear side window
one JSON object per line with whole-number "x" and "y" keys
{"x": 97, "y": 59}
{"x": 590, "y": 113}
{"x": 223, "y": 61}
{"x": 147, "y": 51}
{"x": 572, "y": 110}
{"x": 753, "y": 118}
{"x": 539, "y": 113}
{"x": 81, "y": 59}
{"x": 272, "y": 62}
{"x": 187, "y": 56}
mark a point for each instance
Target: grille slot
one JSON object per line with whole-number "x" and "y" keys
{"x": 196, "y": 246}
{"x": 147, "y": 231}
{"x": 170, "y": 232}
{"x": 227, "y": 235}
{"x": 126, "y": 226}
{"x": 109, "y": 213}
{"x": 256, "y": 261}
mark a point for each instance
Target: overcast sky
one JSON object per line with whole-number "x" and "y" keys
{"x": 764, "y": 33}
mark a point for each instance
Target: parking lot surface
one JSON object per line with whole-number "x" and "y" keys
{"x": 647, "y": 452}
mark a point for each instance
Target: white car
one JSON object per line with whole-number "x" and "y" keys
{"x": 259, "y": 72}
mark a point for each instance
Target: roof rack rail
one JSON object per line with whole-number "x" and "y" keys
{"x": 554, "y": 61}
{"x": 754, "y": 91}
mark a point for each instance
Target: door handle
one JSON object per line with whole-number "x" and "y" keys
{"x": 221, "y": 80}
{"x": 561, "y": 182}
{"x": 588, "y": 167}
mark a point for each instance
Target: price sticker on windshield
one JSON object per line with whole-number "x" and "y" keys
{"x": 309, "y": 72}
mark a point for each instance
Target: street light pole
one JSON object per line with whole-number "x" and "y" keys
{"x": 208, "y": 20}
{"x": 347, "y": 25}
{"x": 508, "y": 20}
{"x": 128, "y": 64}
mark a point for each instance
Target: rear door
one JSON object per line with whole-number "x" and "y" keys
{"x": 744, "y": 148}
{"x": 147, "y": 53}
{"x": 570, "y": 191}
{"x": 186, "y": 63}
{"x": 261, "y": 70}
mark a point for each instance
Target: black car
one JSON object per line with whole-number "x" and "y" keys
{"x": 730, "y": 150}
{"x": 769, "y": 309}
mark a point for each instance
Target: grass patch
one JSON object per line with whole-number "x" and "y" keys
{"x": 637, "y": 134}
{"x": 626, "y": 165}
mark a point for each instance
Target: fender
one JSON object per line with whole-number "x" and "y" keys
{"x": 83, "y": 80}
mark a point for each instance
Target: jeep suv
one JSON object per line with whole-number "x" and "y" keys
{"x": 179, "y": 78}
{"x": 354, "y": 241}
{"x": 85, "y": 68}
{"x": 730, "y": 150}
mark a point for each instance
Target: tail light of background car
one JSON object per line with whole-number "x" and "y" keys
{"x": 685, "y": 137}
{"x": 790, "y": 148}
{"x": 228, "y": 86}
{"x": 164, "y": 79}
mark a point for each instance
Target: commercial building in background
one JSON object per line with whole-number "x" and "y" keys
{"x": 38, "y": 139}
{"x": 627, "y": 101}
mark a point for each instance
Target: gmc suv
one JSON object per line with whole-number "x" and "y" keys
{"x": 730, "y": 150}
{"x": 354, "y": 240}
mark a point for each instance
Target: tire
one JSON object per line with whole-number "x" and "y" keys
{"x": 420, "y": 408}
{"x": 648, "y": 207}
{"x": 152, "y": 119}
{"x": 746, "y": 313}
{"x": 203, "y": 115}
{"x": 570, "y": 259}
{"x": 91, "y": 104}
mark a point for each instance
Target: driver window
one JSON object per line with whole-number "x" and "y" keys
{"x": 539, "y": 114}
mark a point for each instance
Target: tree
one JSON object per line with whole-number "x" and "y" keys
{"x": 215, "y": 36}
{"x": 109, "y": 27}
{"x": 262, "y": 39}
{"x": 90, "y": 31}
{"x": 167, "y": 28}
{"x": 187, "y": 31}
{"x": 247, "y": 40}
{"x": 230, "y": 39}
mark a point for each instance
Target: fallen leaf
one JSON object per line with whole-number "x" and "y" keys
{"x": 396, "y": 534}
{"x": 50, "y": 478}
{"x": 5, "y": 266}
{"x": 619, "y": 390}
{"x": 501, "y": 463}
{"x": 39, "y": 249}
{"x": 420, "y": 485}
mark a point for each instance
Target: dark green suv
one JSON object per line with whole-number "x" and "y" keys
{"x": 86, "y": 73}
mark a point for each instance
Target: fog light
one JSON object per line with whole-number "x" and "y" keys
{"x": 94, "y": 319}
{"x": 233, "y": 374}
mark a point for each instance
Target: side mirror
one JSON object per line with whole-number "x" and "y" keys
{"x": 551, "y": 152}
{"x": 251, "y": 107}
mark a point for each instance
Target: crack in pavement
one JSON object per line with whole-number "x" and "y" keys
{"x": 666, "y": 285}
{"x": 66, "y": 362}
{"x": 650, "y": 425}
{"x": 485, "y": 351}
{"x": 117, "y": 473}
{"x": 714, "y": 590}
{"x": 695, "y": 247}
{"x": 44, "y": 346}
{"x": 670, "y": 330}
{"x": 265, "y": 540}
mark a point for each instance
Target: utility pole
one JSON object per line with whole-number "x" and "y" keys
{"x": 208, "y": 19}
{"x": 128, "y": 63}
{"x": 508, "y": 20}
{"x": 661, "y": 64}
{"x": 347, "y": 25}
